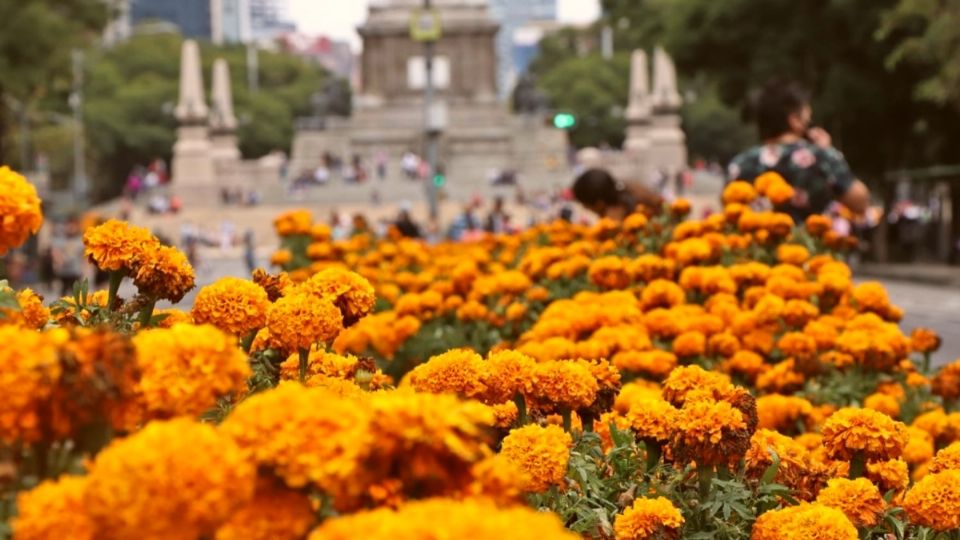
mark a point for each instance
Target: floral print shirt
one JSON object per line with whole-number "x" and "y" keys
{"x": 818, "y": 175}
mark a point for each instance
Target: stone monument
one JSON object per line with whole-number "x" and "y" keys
{"x": 192, "y": 166}
{"x": 223, "y": 123}
{"x": 478, "y": 134}
{"x": 668, "y": 150}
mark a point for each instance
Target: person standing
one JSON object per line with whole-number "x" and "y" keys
{"x": 66, "y": 250}
{"x": 803, "y": 155}
{"x": 249, "y": 251}
{"x": 381, "y": 160}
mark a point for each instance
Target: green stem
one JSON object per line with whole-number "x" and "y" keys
{"x": 247, "y": 341}
{"x": 704, "y": 478}
{"x": 926, "y": 363}
{"x": 567, "y": 422}
{"x": 304, "y": 361}
{"x": 115, "y": 278}
{"x": 857, "y": 465}
{"x": 147, "y": 312}
{"x": 521, "y": 403}
{"x": 653, "y": 454}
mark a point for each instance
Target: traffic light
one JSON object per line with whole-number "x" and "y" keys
{"x": 564, "y": 120}
{"x": 439, "y": 179}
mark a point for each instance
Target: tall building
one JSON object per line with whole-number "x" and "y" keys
{"x": 269, "y": 19}
{"x": 231, "y": 21}
{"x": 513, "y": 15}
{"x": 191, "y": 17}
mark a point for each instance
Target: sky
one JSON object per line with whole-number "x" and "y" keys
{"x": 339, "y": 18}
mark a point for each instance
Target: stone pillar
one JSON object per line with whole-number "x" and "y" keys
{"x": 668, "y": 148}
{"x": 223, "y": 123}
{"x": 639, "y": 108}
{"x": 192, "y": 160}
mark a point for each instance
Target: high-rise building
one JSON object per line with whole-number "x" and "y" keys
{"x": 269, "y": 19}
{"x": 191, "y": 17}
{"x": 231, "y": 21}
{"x": 513, "y": 15}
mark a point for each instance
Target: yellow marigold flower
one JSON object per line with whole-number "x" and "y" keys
{"x": 805, "y": 520}
{"x": 774, "y": 187}
{"x": 782, "y": 377}
{"x": 946, "y": 383}
{"x": 446, "y": 518}
{"x": 684, "y": 380}
{"x": 543, "y": 452}
{"x": 947, "y": 458}
{"x": 724, "y": 344}
{"x": 20, "y": 208}
{"x": 236, "y": 306}
{"x": 783, "y": 413}
{"x": 118, "y": 246}
{"x": 794, "y": 254}
{"x": 797, "y": 313}
{"x": 649, "y": 267}
{"x": 651, "y": 418}
{"x": 273, "y": 284}
{"x": 890, "y": 474}
{"x": 293, "y": 222}
{"x": 648, "y": 519}
{"x": 609, "y": 273}
{"x": 186, "y": 368}
{"x": 171, "y": 316}
{"x": 304, "y": 435}
{"x": 299, "y": 321}
{"x": 817, "y": 224}
{"x": 562, "y": 385}
{"x": 709, "y": 432}
{"x": 458, "y": 371}
{"x": 176, "y": 479}
{"x": 29, "y": 369}
{"x": 274, "y": 513}
{"x": 349, "y": 291}
{"x": 797, "y": 345}
{"x": 662, "y": 293}
{"x": 680, "y": 207}
{"x": 537, "y": 294}
{"x": 858, "y": 499}
{"x": 747, "y": 364}
{"x": 53, "y": 509}
{"x": 508, "y": 373}
{"x": 690, "y": 344}
{"x": 653, "y": 363}
{"x": 472, "y": 310}
{"x": 164, "y": 272}
{"x": 740, "y": 192}
{"x": 934, "y": 501}
{"x": 634, "y": 222}
{"x": 933, "y": 422}
{"x": 515, "y": 311}
{"x": 924, "y": 340}
{"x": 871, "y": 434}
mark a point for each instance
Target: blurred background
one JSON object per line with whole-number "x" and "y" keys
{"x": 463, "y": 115}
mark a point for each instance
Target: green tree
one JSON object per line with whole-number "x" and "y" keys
{"x": 132, "y": 89}
{"x": 36, "y": 37}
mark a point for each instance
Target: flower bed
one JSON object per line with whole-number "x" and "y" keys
{"x": 655, "y": 378}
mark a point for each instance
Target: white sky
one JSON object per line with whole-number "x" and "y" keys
{"x": 339, "y": 18}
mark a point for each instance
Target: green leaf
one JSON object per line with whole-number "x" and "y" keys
{"x": 771, "y": 472}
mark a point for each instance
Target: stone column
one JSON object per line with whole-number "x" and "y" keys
{"x": 668, "y": 148}
{"x": 223, "y": 123}
{"x": 192, "y": 159}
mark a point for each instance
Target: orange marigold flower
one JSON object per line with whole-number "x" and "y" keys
{"x": 690, "y": 344}
{"x": 653, "y": 363}
{"x": 54, "y": 509}
{"x": 563, "y": 386}
{"x": 293, "y": 222}
{"x": 892, "y": 474}
{"x": 919, "y": 448}
{"x": 350, "y": 292}
{"x": 662, "y": 293}
{"x": 924, "y": 340}
{"x": 858, "y": 499}
{"x": 817, "y": 224}
{"x": 29, "y": 367}
{"x": 947, "y": 458}
{"x": 709, "y": 432}
{"x": 740, "y": 192}
{"x": 274, "y": 513}
{"x": 506, "y": 374}
{"x": 647, "y": 519}
{"x": 871, "y": 434}
{"x": 651, "y": 418}
{"x": 794, "y": 254}
{"x": 934, "y": 501}
{"x": 686, "y": 380}
{"x": 783, "y": 413}
{"x": 234, "y": 305}
{"x": 797, "y": 345}
{"x": 176, "y": 479}
{"x": 805, "y": 520}
{"x": 164, "y": 272}
{"x": 299, "y": 321}
{"x": 946, "y": 383}
{"x": 19, "y": 208}
{"x": 543, "y": 452}
{"x": 609, "y": 273}
{"x": 118, "y": 246}
{"x": 884, "y": 403}
{"x": 458, "y": 371}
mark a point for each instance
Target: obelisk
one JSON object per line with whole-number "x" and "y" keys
{"x": 668, "y": 150}
{"x": 639, "y": 108}
{"x": 192, "y": 168}
{"x": 223, "y": 123}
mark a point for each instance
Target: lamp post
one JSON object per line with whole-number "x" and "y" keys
{"x": 79, "y": 183}
{"x": 425, "y": 27}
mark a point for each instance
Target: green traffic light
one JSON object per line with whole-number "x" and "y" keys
{"x": 564, "y": 120}
{"x": 439, "y": 180}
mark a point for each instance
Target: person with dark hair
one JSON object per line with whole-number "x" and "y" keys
{"x": 803, "y": 155}
{"x": 600, "y": 192}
